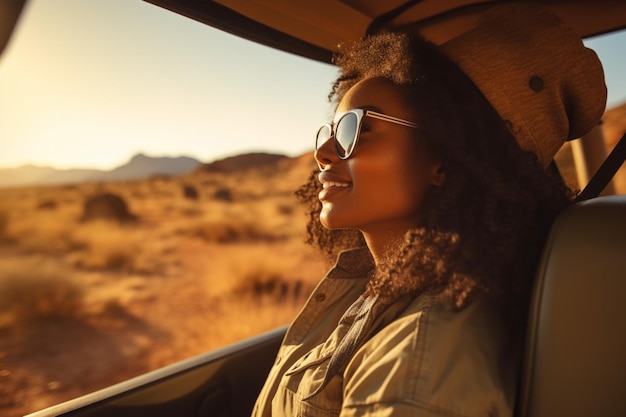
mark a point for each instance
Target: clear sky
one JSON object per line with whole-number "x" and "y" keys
{"x": 90, "y": 83}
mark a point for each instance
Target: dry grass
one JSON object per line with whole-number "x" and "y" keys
{"x": 259, "y": 275}
{"x": 37, "y": 231}
{"x": 189, "y": 276}
{"x": 34, "y": 289}
{"x": 232, "y": 231}
{"x": 105, "y": 245}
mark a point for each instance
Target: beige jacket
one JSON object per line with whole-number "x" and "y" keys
{"x": 426, "y": 359}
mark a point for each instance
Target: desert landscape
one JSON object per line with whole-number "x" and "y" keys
{"x": 103, "y": 281}
{"x": 168, "y": 268}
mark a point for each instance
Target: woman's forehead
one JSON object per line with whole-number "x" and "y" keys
{"x": 379, "y": 93}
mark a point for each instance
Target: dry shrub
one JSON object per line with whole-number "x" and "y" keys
{"x": 42, "y": 232}
{"x": 233, "y": 231}
{"x": 285, "y": 209}
{"x": 251, "y": 292}
{"x": 106, "y": 245}
{"x": 46, "y": 238}
{"x": 38, "y": 290}
{"x": 249, "y": 222}
{"x": 190, "y": 192}
{"x": 187, "y": 210}
{"x": 223, "y": 194}
{"x": 245, "y": 319}
{"x": 47, "y": 205}
{"x": 108, "y": 206}
{"x": 263, "y": 276}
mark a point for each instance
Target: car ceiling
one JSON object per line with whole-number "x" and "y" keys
{"x": 313, "y": 28}
{"x": 9, "y": 13}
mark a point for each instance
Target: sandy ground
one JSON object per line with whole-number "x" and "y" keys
{"x": 134, "y": 324}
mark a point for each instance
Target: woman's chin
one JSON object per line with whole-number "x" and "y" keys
{"x": 333, "y": 218}
{"x": 329, "y": 221}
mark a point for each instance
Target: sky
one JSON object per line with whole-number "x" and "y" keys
{"x": 90, "y": 83}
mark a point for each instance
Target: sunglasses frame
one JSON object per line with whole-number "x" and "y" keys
{"x": 360, "y": 114}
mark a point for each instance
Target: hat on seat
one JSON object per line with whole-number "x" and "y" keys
{"x": 537, "y": 74}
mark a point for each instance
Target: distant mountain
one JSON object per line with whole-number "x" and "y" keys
{"x": 243, "y": 162}
{"x": 140, "y": 166}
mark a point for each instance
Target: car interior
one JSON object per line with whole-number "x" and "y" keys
{"x": 574, "y": 362}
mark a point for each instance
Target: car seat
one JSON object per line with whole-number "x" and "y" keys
{"x": 575, "y": 356}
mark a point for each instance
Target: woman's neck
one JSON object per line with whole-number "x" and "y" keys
{"x": 380, "y": 244}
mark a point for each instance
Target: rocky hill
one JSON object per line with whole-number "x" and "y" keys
{"x": 243, "y": 162}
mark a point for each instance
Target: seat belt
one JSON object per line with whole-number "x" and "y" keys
{"x": 605, "y": 173}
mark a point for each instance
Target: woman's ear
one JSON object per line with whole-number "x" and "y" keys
{"x": 439, "y": 176}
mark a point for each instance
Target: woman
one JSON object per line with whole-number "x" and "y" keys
{"x": 436, "y": 191}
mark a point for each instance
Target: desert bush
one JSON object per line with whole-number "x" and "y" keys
{"x": 37, "y": 290}
{"x": 190, "y": 192}
{"x": 285, "y": 209}
{"x": 47, "y": 205}
{"x": 107, "y": 206}
{"x": 106, "y": 245}
{"x": 234, "y": 230}
{"x": 45, "y": 232}
{"x": 223, "y": 194}
{"x": 190, "y": 210}
{"x": 264, "y": 276}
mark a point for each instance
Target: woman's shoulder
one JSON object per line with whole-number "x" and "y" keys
{"x": 439, "y": 357}
{"x": 428, "y": 320}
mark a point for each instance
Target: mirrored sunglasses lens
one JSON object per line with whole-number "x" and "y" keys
{"x": 322, "y": 136}
{"x": 345, "y": 134}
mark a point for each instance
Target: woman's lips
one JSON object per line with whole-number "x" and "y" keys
{"x": 330, "y": 188}
{"x": 332, "y": 183}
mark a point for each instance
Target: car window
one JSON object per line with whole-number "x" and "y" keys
{"x": 609, "y": 48}
{"x": 147, "y": 208}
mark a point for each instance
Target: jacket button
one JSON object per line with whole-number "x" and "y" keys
{"x": 536, "y": 83}
{"x": 320, "y": 297}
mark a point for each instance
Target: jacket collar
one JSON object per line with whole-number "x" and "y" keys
{"x": 353, "y": 263}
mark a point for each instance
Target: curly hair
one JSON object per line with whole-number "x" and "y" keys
{"x": 484, "y": 228}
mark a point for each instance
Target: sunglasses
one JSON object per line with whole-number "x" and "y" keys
{"x": 348, "y": 128}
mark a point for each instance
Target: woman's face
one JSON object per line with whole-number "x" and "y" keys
{"x": 381, "y": 188}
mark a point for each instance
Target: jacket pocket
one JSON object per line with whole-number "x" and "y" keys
{"x": 313, "y": 358}
{"x": 303, "y": 379}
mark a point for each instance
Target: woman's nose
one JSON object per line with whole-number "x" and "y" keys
{"x": 326, "y": 153}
